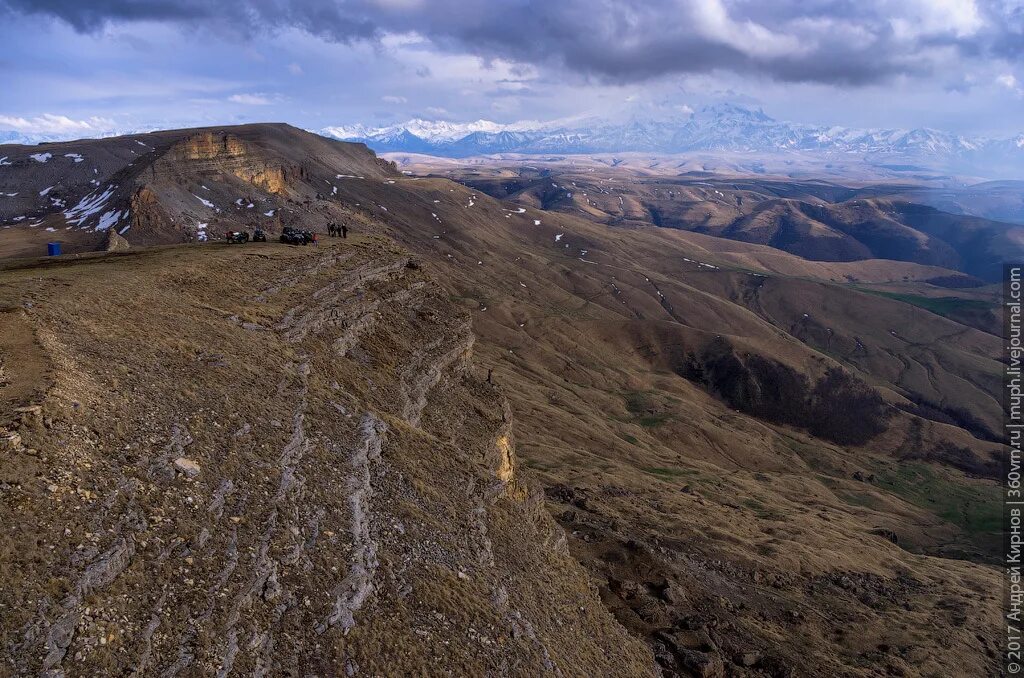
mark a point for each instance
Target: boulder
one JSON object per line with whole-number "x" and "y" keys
{"x": 187, "y": 467}
{"x": 116, "y": 242}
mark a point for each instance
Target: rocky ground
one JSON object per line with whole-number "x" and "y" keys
{"x": 762, "y": 469}
{"x": 271, "y": 461}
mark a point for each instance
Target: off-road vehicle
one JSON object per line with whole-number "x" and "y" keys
{"x": 292, "y": 236}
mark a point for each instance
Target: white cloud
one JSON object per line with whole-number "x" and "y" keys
{"x": 295, "y": 69}
{"x": 916, "y": 18}
{"x": 391, "y": 99}
{"x": 250, "y": 99}
{"x": 437, "y": 110}
{"x": 48, "y": 123}
{"x": 711, "y": 19}
{"x": 1010, "y": 82}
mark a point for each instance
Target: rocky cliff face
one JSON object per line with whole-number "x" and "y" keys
{"x": 171, "y": 187}
{"x": 270, "y": 466}
{"x": 213, "y": 153}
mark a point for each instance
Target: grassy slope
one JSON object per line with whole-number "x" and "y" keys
{"x": 228, "y": 356}
{"x": 707, "y": 519}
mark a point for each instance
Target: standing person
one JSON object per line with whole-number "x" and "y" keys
{"x": 316, "y": 239}
{"x": 344, "y": 230}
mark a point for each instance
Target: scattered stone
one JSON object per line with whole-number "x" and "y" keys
{"x": 10, "y": 440}
{"x": 702, "y": 664}
{"x": 749, "y": 658}
{"x": 187, "y": 467}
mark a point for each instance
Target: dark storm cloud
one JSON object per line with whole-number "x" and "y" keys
{"x": 330, "y": 20}
{"x": 828, "y": 41}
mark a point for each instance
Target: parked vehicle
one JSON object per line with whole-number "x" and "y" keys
{"x": 259, "y": 236}
{"x": 292, "y": 236}
{"x": 237, "y": 237}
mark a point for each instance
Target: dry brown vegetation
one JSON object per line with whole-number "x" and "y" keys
{"x": 352, "y": 505}
{"x": 764, "y": 469}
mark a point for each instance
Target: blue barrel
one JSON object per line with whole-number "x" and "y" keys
{"x": 53, "y": 249}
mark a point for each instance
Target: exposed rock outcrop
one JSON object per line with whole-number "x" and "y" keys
{"x": 217, "y": 499}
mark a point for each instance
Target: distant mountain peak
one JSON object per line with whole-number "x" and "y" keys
{"x": 720, "y": 127}
{"x": 726, "y": 109}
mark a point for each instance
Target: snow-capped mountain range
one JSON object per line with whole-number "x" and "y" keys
{"x": 718, "y": 128}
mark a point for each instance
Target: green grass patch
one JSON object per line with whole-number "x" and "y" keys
{"x": 632, "y": 440}
{"x": 636, "y": 401}
{"x": 760, "y": 510}
{"x": 975, "y": 507}
{"x": 653, "y": 420}
{"x": 668, "y": 473}
{"x": 638, "y": 404}
{"x": 943, "y": 306}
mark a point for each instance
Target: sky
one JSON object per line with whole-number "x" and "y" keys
{"x": 75, "y": 68}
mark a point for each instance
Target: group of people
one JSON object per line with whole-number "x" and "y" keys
{"x": 334, "y": 229}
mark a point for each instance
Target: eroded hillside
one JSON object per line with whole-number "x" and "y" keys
{"x": 267, "y": 462}
{"x": 817, "y": 220}
{"x": 767, "y": 465}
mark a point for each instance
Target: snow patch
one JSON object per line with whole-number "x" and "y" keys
{"x": 205, "y": 202}
{"x": 88, "y": 206}
{"x": 41, "y": 157}
{"x": 107, "y": 220}
{"x": 46, "y": 190}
